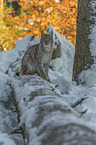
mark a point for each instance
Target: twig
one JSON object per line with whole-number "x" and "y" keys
{"x": 78, "y": 102}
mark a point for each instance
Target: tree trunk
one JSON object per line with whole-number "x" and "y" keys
{"x": 83, "y": 57}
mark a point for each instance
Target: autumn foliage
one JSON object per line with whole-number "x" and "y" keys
{"x": 36, "y": 15}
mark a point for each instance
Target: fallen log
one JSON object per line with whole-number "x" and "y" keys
{"x": 46, "y": 117}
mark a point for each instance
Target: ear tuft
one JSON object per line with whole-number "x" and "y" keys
{"x": 51, "y": 33}
{"x": 42, "y": 33}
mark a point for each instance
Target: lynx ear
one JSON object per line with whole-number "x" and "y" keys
{"x": 42, "y": 33}
{"x": 51, "y": 33}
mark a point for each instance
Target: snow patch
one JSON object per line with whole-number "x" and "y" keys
{"x": 6, "y": 140}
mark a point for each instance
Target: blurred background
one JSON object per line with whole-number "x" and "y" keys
{"x": 19, "y": 18}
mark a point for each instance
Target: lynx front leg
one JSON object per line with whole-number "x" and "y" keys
{"x": 40, "y": 68}
{"x": 42, "y": 71}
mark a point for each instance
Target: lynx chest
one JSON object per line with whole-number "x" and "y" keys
{"x": 46, "y": 57}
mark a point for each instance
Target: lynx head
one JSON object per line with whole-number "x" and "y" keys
{"x": 47, "y": 40}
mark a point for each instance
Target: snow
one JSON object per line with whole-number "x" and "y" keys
{"x": 67, "y": 55}
{"x": 61, "y": 75}
{"x": 92, "y": 35}
{"x": 5, "y": 140}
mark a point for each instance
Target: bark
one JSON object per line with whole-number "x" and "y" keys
{"x": 83, "y": 58}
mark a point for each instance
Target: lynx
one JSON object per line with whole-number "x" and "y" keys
{"x": 37, "y": 57}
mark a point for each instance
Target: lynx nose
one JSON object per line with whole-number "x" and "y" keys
{"x": 46, "y": 43}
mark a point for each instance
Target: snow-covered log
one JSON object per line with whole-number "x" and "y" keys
{"x": 46, "y": 117}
